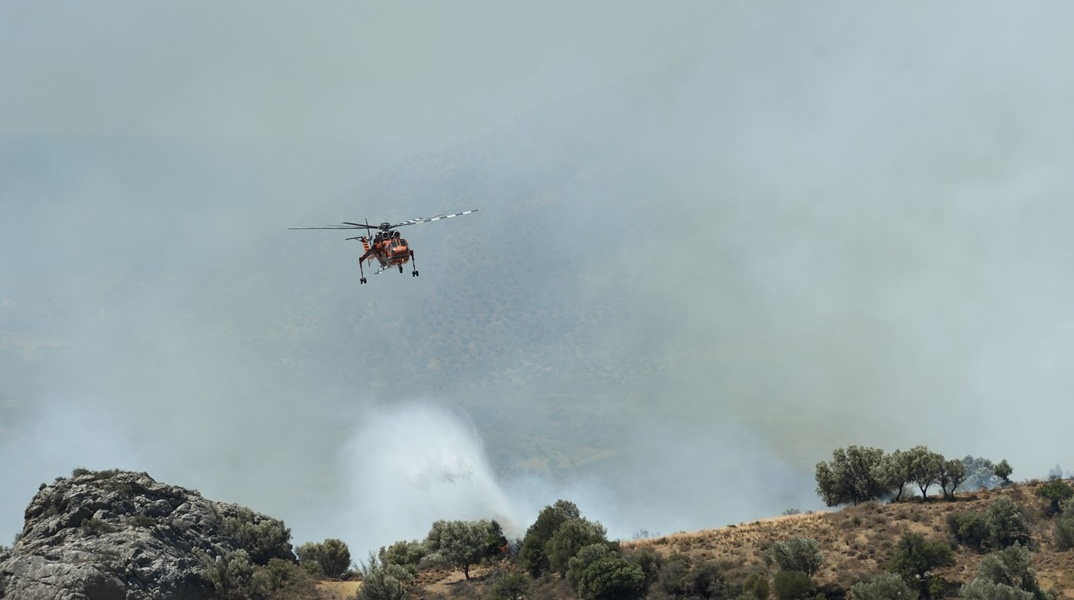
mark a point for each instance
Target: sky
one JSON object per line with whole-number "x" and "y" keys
{"x": 802, "y": 227}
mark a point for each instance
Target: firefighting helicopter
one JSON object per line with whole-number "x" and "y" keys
{"x": 386, "y": 245}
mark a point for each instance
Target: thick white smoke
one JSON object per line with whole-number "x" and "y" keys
{"x": 410, "y": 464}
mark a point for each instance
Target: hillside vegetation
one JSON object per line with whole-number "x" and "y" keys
{"x": 857, "y": 544}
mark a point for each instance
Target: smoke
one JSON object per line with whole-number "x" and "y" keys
{"x": 410, "y": 464}
{"x": 715, "y": 242}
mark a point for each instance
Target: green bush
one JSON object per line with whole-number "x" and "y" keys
{"x": 755, "y": 587}
{"x": 611, "y": 577}
{"x": 968, "y": 528}
{"x": 886, "y": 586}
{"x": 512, "y": 586}
{"x": 1064, "y": 530}
{"x": 384, "y": 582}
{"x": 405, "y": 554}
{"x": 262, "y": 537}
{"x": 331, "y": 557}
{"x": 791, "y": 585}
{"x": 571, "y": 536}
{"x": 796, "y": 554}
{"x": 1005, "y": 522}
{"x": 979, "y": 589}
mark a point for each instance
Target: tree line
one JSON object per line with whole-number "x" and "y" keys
{"x": 858, "y": 474}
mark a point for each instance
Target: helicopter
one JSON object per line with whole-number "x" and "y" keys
{"x": 386, "y": 245}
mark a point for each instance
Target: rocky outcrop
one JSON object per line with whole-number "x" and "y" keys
{"x": 116, "y": 535}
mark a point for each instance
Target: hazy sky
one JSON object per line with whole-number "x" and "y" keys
{"x": 828, "y": 223}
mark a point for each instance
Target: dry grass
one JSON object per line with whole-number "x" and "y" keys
{"x": 858, "y": 541}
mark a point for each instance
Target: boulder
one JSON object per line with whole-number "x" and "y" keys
{"x": 118, "y": 535}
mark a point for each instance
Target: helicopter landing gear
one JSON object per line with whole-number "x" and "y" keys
{"x": 362, "y": 271}
{"x": 362, "y": 280}
{"x": 414, "y": 264}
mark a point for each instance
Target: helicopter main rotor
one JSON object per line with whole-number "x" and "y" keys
{"x": 385, "y": 226}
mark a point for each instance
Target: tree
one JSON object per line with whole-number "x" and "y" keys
{"x": 796, "y": 554}
{"x": 532, "y": 555}
{"x": 886, "y": 586}
{"x": 895, "y": 468}
{"x": 460, "y": 543}
{"x": 1003, "y": 471}
{"x": 916, "y": 559}
{"x": 924, "y": 468}
{"x": 1056, "y": 492}
{"x": 952, "y": 474}
{"x": 854, "y": 475}
{"x": 571, "y": 536}
{"x": 332, "y": 557}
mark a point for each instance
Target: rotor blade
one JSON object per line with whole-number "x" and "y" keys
{"x": 359, "y": 225}
{"x": 329, "y": 227}
{"x": 436, "y": 218}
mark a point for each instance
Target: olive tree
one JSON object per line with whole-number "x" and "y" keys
{"x": 461, "y": 543}
{"x": 1003, "y": 471}
{"x": 1057, "y": 492}
{"x": 952, "y": 474}
{"x": 855, "y": 474}
{"x": 925, "y": 468}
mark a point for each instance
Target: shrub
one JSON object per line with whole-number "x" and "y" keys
{"x": 1005, "y": 522}
{"x": 331, "y": 557}
{"x": 512, "y": 586}
{"x": 916, "y": 559}
{"x": 755, "y": 587}
{"x": 384, "y": 581}
{"x": 979, "y": 589}
{"x": 796, "y": 554}
{"x": 262, "y": 537}
{"x": 611, "y": 577}
{"x": 968, "y": 528}
{"x": 570, "y": 537}
{"x": 1010, "y": 566}
{"x": 886, "y": 586}
{"x": 1064, "y": 531}
{"x": 791, "y": 585}
{"x": 229, "y": 574}
{"x": 404, "y": 553}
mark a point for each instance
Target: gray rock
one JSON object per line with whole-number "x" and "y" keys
{"x": 117, "y": 535}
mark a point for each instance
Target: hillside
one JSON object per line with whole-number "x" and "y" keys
{"x": 857, "y": 542}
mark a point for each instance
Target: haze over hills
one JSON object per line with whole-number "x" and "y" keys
{"x": 682, "y": 291}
